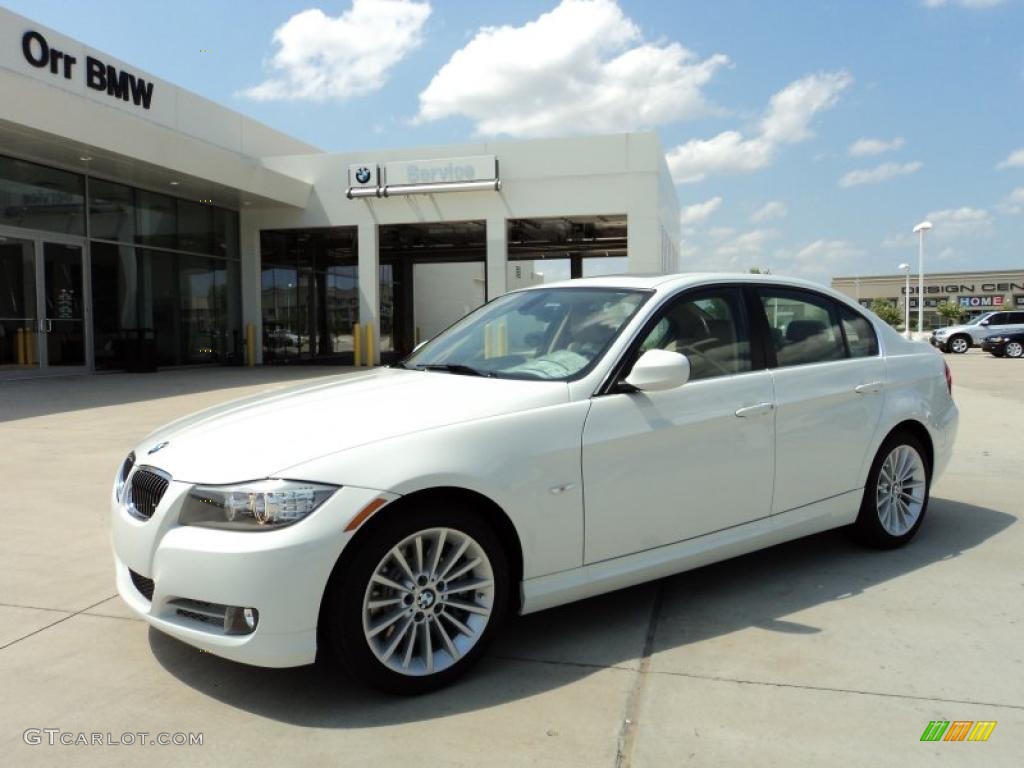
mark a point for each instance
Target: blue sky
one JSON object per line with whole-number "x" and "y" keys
{"x": 759, "y": 105}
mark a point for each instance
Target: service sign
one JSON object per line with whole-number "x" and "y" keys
{"x": 362, "y": 175}
{"x": 441, "y": 171}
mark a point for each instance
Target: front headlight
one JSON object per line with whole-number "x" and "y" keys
{"x": 258, "y": 506}
{"x": 122, "y": 475}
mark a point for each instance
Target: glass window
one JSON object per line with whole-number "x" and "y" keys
{"x": 225, "y": 233}
{"x": 860, "y": 336}
{"x": 553, "y": 334}
{"x": 37, "y": 197}
{"x": 155, "y": 219}
{"x": 111, "y": 211}
{"x": 998, "y": 318}
{"x": 709, "y": 329}
{"x": 114, "y": 302}
{"x": 195, "y": 227}
{"x": 804, "y": 327}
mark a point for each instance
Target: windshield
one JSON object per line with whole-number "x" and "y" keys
{"x": 979, "y": 318}
{"x": 553, "y": 334}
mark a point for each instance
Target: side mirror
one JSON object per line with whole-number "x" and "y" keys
{"x": 658, "y": 370}
{"x": 983, "y": 322}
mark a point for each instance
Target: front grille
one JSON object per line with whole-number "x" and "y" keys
{"x": 144, "y": 585}
{"x": 200, "y": 610}
{"x": 147, "y": 488}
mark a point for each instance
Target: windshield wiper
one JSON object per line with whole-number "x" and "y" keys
{"x": 459, "y": 368}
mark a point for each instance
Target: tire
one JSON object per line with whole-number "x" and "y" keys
{"x": 374, "y": 646}
{"x": 1014, "y": 349}
{"x": 959, "y": 344}
{"x": 882, "y": 522}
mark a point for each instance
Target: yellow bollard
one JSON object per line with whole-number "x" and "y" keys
{"x": 250, "y": 345}
{"x": 502, "y": 340}
{"x": 357, "y": 343}
{"x": 488, "y": 344}
{"x": 369, "y": 344}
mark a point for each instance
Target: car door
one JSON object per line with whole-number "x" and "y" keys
{"x": 661, "y": 467}
{"x": 995, "y": 324}
{"x": 1015, "y": 322}
{"x": 829, "y": 384}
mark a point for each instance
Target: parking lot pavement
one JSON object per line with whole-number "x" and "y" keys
{"x": 812, "y": 651}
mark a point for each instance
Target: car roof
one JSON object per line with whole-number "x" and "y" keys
{"x": 671, "y": 282}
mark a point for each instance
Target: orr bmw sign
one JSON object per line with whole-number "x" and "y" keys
{"x": 97, "y": 74}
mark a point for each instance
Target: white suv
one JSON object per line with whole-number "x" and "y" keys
{"x": 960, "y": 338}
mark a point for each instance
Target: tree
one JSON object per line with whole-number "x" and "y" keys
{"x": 760, "y": 271}
{"x": 888, "y": 312}
{"x": 952, "y": 311}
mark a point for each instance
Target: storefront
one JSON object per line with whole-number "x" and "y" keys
{"x": 139, "y": 221}
{"x": 975, "y": 292}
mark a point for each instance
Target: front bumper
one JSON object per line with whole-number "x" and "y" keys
{"x": 937, "y": 342}
{"x": 281, "y": 573}
{"x": 993, "y": 346}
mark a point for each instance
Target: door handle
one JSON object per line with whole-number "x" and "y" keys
{"x": 755, "y": 410}
{"x": 864, "y": 389}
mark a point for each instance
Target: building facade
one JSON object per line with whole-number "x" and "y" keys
{"x": 138, "y": 219}
{"x": 976, "y": 292}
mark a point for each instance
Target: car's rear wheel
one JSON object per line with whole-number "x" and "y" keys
{"x": 896, "y": 493}
{"x": 1014, "y": 349}
{"x": 419, "y": 600}
{"x": 959, "y": 344}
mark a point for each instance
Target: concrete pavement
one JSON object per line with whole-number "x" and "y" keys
{"x": 813, "y": 651}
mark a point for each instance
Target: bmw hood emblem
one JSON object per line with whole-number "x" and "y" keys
{"x": 157, "y": 447}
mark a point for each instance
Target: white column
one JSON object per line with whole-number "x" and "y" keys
{"x": 252, "y": 294}
{"x": 497, "y": 257}
{"x": 368, "y": 250}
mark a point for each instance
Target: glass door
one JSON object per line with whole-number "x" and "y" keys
{"x": 63, "y": 291}
{"x": 19, "y": 321}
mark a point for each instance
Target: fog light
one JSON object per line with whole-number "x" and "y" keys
{"x": 240, "y": 621}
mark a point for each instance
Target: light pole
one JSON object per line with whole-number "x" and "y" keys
{"x": 919, "y": 230}
{"x": 905, "y": 269}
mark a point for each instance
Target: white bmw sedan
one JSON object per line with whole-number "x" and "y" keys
{"x": 559, "y": 442}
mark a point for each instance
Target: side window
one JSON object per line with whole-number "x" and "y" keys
{"x": 860, "y": 336}
{"x": 709, "y": 328}
{"x": 804, "y": 327}
{"x": 999, "y": 318}
{"x": 1017, "y": 318}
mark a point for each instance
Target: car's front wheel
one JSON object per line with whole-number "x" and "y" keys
{"x": 1014, "y": 349}
{"x": 896, "y": 493}
{"x": 959, "y": 344}
{"x": 419, "y": 600}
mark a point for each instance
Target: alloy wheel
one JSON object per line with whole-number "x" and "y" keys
{"x": 959, "y": 345}
{"x": 1014, "y": 349}
{"x": 900, "y": 491}
{"x": 428, "y": 601}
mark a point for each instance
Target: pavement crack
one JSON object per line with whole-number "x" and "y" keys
{"x": 828, "y": 689}
{"x": 627, "y": 730}
{"x": 55, "y": 623}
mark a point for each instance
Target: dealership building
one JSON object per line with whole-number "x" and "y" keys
{"x": 976, "y": 292}
{"x": 137, "y": 218}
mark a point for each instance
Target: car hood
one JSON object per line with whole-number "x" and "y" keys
{"x": 261, "y": 436}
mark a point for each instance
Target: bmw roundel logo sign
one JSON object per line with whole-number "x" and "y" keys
{"x": 362, "y": 174}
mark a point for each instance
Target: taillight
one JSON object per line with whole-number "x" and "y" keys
{"x": 949, "y": 378}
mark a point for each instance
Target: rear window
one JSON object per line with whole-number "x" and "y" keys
{"x": 860, "y": 335}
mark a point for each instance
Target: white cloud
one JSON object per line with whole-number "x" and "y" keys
{"x": 746, "y": 244}
{"x": 582, "y": 67}
{"x": 1014, "y": 160}
{"x": 698, "y": 212}
{"x": 787, "y": 121}
{"x": 879, "y": 173}
{"x": 970, "y": 4}
{"x": 774, "y": 209}
{"x": 956, "y": 223}
{"x": 321, "y": 57}
{"x": 1014, "y": 203}
{"x": 864, "y": 147}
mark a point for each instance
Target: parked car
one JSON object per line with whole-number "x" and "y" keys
{"x": 559, "y": 442}
{"x": 960, "y": 338}
{"x": 1005, "y": 344}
